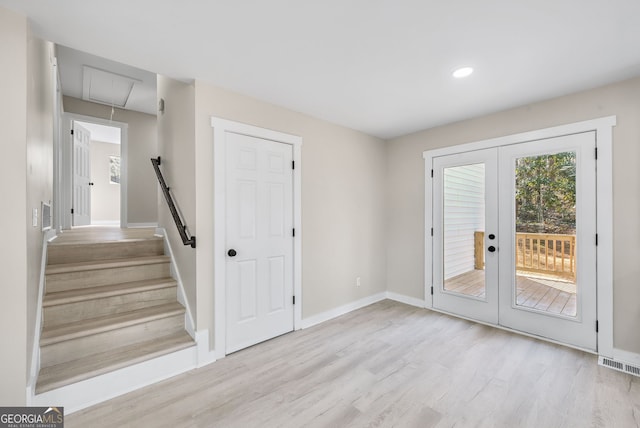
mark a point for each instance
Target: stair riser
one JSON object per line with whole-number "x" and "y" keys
{"x": 91, "y": 345}
{"x": 75, "y": 253}
{"x": 73, "y": 312}
{"x": 94, "y": 278}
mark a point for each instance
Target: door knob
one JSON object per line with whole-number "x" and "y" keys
{"x": 232, "y": 253}
{"x": 492, "y": 236}
{"x": 491, "y": 249}
{"x": 90, "y": 184}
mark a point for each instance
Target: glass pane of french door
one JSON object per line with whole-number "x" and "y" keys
{"x": 545, "y": 232}
{"x": 463, "y": 227}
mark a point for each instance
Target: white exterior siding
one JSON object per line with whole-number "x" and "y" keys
{"x": 463, "y": 215}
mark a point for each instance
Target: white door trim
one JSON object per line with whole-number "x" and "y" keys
{"x": 220, "y": 126}
{"x": 66, "y": 198}
{"x": 604, "y": 187}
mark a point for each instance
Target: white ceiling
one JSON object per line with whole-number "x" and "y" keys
{"x": 379, "y": 66}
{"x": 100, "y": 80}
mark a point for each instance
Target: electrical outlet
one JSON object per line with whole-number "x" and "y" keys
{"x": 358, "y": 282}
{"x": 34, "y": 217}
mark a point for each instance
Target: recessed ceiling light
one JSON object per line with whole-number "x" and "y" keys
{"x": 462, "y": 72}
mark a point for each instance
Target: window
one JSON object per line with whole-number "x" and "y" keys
{"x": 114, "y": 169}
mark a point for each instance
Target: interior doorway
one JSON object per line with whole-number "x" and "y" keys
{"x": 94, "y": 179}
{"x": 97, "y": 174}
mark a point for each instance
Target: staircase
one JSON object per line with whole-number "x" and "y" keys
{"x": 109, "y": 303}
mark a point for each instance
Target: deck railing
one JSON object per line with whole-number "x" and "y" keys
{"x": 546, "y": 253}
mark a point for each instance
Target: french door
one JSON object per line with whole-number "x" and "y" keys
{"x": 514, "y": 237}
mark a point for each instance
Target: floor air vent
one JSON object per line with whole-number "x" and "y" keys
{"x": 617, "y": 365}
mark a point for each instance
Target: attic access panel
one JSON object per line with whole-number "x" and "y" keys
{"x": 105, "y": 87}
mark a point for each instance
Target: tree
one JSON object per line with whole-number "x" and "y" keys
{"x": 546, "y": 193}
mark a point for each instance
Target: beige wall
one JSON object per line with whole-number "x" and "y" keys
{"x": 176, "y": 145}
{"x": 105, "y": 196}
{"x": 40, "y": 102}
{"x": 343, "y": 205}
{"x": 405, "y": 189}
{"x": 13, "y": 250}
{"x": 142, "y": 199}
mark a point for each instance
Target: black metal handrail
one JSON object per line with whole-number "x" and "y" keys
{"x": 182, "y": 228}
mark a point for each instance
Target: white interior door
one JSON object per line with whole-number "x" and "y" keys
{"x": 465, "y": 271}
{"x": 259, "y": 216}
{"x": 514, "y": 240}
{"x": 81, "y": 176}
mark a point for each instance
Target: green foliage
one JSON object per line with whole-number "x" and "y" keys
{"x": 546, "y": 193}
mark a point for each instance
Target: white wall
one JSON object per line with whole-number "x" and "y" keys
{"x": 405, "y": 189}
{"x": 176, "y": 146}
{"x": 343, "y": 204}
{"x": 13, "y": 184}
{"x": 142, "y": 198}
{"x": 343, "y": 213}
{"x": 105, "y": 196}
{"x": 40, "y": 104}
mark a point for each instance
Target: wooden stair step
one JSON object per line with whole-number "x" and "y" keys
{"x": 88, "y": 327}
{"x": 93, "y": 293}
{"x": 85, "y": 368}
{"x": 74, "y": 252}
{"x": 105, "y": 264}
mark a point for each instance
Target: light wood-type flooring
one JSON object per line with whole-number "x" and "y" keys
{"x": 386, "y": 365}
{"x": 84, "y": 234}
{"x": 537, "y": 292}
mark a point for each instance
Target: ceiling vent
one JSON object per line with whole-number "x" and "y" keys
{"x": 108, "y": 88}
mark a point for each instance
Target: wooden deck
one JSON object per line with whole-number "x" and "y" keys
{"x": 545, "y": 294}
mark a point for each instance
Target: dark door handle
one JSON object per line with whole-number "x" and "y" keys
{"x": 492, "y": 236}
{"x": 232, "y": 253}
{"x": 90, "y": 184}
{"x": 491, "y": 249}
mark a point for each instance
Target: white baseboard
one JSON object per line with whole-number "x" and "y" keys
{"x": 205, "y": 355}
{"x": 107, "y": 386}
{"x": 419, "y": 303}
{"x": 626, "y": 356}
{"x": 105, "y": 222}
{"x": 175, "y": 273}
{"x": 341, "y": 310}
{"x": 137, "y": 225}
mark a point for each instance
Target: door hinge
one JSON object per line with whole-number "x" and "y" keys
{"x": 596, "y": 153}
{"x": 431, "y": 173}
{"x": 432, "y": 290}
{"x": 294, "y": 231}
{"x": 293, "y": 164}
{"x": 596, "y": 239}
{"x": 294, "y": 300}
{"x": 71, "y": 210}
{"x": 432, "y": 231}
{"x": 72, "y": 132}
{"x": 597, "y": 326}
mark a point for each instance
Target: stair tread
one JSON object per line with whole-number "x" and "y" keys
{"x": 84, "y": 368}
{"x": 88, "y": 327}
{"x": 57, "y": 243}
{"x": 105, "y": 264}
{"x": 92, "y": 293}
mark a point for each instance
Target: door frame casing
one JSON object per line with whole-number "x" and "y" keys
{"x": 603, "y": 128}
{"x": 220, "y": 127}
{"x": 65, "y": 190}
